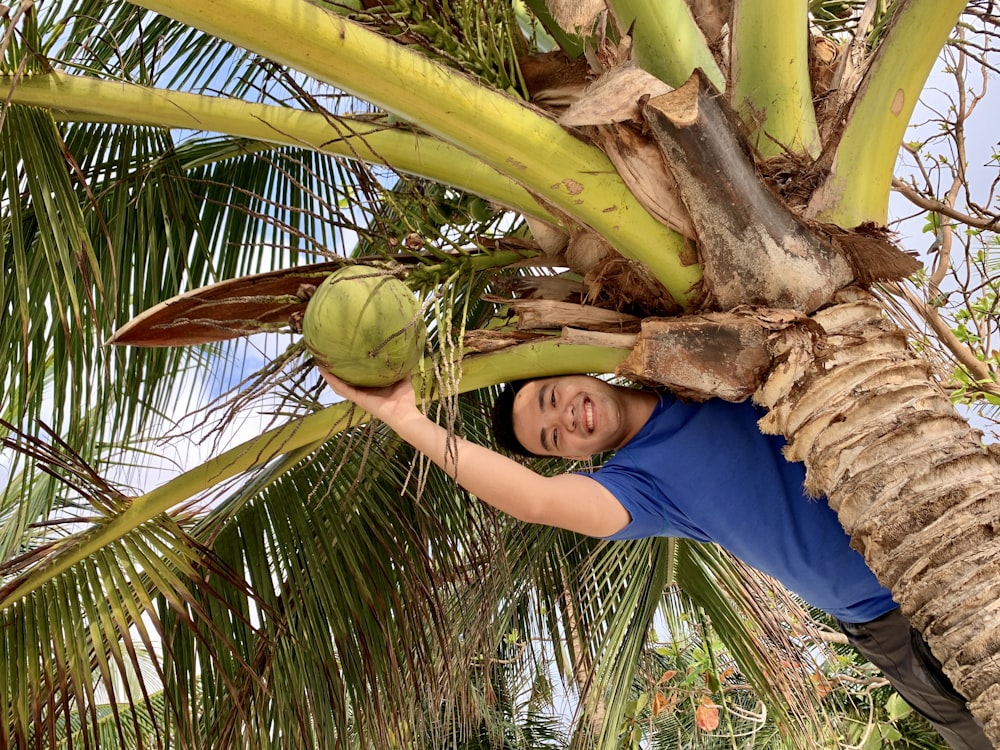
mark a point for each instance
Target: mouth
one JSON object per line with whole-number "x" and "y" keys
{"x": 588, "y": 415}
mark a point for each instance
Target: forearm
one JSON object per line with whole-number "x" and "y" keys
{"x": 567, "y": 501}
{"x": 492, "y": 477}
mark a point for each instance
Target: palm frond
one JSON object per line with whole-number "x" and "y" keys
{"x": 80, "y": 636}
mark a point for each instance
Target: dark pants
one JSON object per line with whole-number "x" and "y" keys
{"x": 894, "y": 646}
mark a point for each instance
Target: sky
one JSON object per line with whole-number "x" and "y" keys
{"x": 983, "y": 155}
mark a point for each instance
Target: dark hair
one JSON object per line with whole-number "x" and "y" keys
{"x": 503, "y": 419}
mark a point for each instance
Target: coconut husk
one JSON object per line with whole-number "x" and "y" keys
{"x": 872, "y": 254}
{"x": 712, "y": 17}
{"x": 824, "y": 56}
{"x": 640, "y": 164}
{"x": 554, "y": 80}
{"x": 560, "y": 288}
{"x": 609, "y": 102}
{"x": 491, "y": 341}
{"x": 701, "y": 357}
{"x": 585, "y": 250}
{"x": 543, "y": 314}
{"x": 614, "y": 97}
{"x": 551, "y": 239}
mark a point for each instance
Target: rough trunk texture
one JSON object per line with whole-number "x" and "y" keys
{"x": 912, "y": 483}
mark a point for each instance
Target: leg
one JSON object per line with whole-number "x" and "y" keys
{"x": 895, "y": 647}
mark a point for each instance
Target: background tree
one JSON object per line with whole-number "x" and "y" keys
{"x": 280, "y": 627}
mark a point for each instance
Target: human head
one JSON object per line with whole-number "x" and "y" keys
{"x": 570, "y": 416}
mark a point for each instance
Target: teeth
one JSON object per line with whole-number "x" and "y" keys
{"x": 588, "y": 411}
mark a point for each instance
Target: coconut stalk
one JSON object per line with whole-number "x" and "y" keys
{"x": 82, "y": 99}
{"x": 769, "y": 70}
{"x": 534, "y": 359}
{"x": 666, "y": 40}
{"x": 581, "y": 183}
{"x": 861, "y": 157}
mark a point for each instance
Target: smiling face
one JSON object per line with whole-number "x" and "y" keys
{"x": 578, "y": 416}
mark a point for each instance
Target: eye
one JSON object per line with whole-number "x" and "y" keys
{"x": 553, "y": 397}
{"x": 555, "y": 438}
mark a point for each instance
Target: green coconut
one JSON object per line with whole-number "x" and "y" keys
{"x": 365, "y": 327}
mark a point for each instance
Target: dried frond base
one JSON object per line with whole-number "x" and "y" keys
{"x": 491, "y": 341}
{"x": 621, "y": 284}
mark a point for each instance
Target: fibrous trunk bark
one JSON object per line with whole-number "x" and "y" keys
{"x": 911, "y": 481}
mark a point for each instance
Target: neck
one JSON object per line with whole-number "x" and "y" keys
{"x": 638, "y": 408}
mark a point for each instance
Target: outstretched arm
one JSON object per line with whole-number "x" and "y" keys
{"x": 567, "y": 501}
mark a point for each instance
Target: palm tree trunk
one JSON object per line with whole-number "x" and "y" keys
{"x": 911, "y": 482}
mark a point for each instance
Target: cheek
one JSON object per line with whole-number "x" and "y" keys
{"x": 528, "y": 444}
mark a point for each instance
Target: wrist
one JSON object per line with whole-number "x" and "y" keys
{"x": 399, "y": 416}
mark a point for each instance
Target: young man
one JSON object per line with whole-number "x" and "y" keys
{"x": 701, "y": 471}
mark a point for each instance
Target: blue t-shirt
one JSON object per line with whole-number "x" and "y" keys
{"x": 706, "y": 472}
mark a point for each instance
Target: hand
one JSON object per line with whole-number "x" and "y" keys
{"x": 388, "y": 404}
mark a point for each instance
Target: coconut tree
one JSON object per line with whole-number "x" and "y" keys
{"x": 708, "y": 164}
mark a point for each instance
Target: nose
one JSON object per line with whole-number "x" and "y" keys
{"x": 569, "y": 420}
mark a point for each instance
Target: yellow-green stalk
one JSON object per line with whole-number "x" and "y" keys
{"x": 666, "y": 41}
{"x": 858, "y": 187}
{"x": 81, "y": 99}
{"x": 503, "y": 132}
{"x": 769, "y": 75}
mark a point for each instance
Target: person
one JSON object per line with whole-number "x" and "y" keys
{"x": 702, "y": 471}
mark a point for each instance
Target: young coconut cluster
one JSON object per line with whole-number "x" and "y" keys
{"x": 365, "y": 326}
